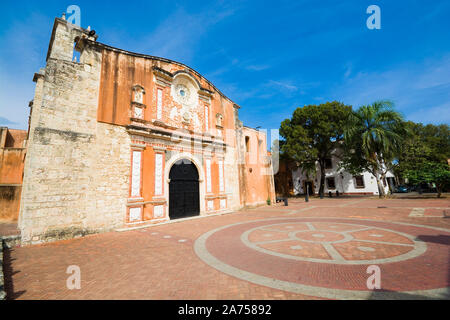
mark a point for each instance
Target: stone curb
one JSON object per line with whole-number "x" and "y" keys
{"x": 6, "y": 242}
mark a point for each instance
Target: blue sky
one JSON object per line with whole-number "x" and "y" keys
{"x": 269, "y": 57}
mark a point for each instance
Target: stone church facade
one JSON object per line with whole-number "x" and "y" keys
{"x": 120, "y": 139}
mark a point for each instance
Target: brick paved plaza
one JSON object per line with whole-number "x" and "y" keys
{"x": 314, "y": 250}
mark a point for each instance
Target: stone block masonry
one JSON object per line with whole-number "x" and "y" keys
{"x": 73, "y": 161}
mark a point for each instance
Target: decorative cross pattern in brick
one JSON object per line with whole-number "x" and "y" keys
{"x": 328, "y": 257}
{"x": 338, "y": 243}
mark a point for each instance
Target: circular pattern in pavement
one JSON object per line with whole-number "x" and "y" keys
{"x": 336, "y": 243}
{"x": 329, "y": 257}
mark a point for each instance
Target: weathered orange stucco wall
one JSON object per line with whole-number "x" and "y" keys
{"x": 12, "y": 156}
{"x": 257, "y": 169}
{"x": 121, "y": 71}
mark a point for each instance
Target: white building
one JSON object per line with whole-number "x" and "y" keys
{"x": 338, "y": 180}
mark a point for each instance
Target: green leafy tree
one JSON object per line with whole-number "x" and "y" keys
{"x": 424, "y": 143}
{"x": 313, "y": 133}
{"x": 437, "y": 138}
{"x": 424, "y": 155}
{"x": 431, "y": 172}
{"x": 373, "y": 138}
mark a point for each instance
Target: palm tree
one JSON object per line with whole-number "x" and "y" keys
{"x": 377, "y": 131}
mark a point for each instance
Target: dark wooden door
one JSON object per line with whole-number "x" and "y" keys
{"x": 184, "y": 198}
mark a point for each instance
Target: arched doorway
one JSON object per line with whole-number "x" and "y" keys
{"x": 184, "y": 199}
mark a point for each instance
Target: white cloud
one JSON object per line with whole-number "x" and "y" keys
{"x": 286, "y": 85}
{"x": 437, "y": 73}
{"x": 257, "y": 67}
{"x": 420, "y": 90}
{"x": 437, "y": 115}
{"x": 348, "y": 70}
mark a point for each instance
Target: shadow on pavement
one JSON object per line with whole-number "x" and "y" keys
{"x": 8, "y": 274}
{"x": 440, "y": 239}
{"x": 394, "y": 295}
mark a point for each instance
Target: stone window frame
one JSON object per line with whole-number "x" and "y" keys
{"x": 159, "y": 89}
{"x": 208, "y": 175}
{"x": 162, "y": 154}
{"x": 359, "y": 186}
{"x": 221, "y": 177}
{"x": 140, "y": 196}
{"x": 219, "y": 120}
{"x": 207, "y": 117}
{"x": 134, "y": 202}
{"x": 188, "y": 80}
{"x": 137, "y": 104}
{"x": 135, "y": 88}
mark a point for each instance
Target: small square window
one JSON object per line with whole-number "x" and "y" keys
{"x": 331, "y": 183}
{"x": 328, "y": 164}
{"x": 359, "y": 180}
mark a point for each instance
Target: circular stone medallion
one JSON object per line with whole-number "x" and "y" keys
{"x": 329, "y": 257}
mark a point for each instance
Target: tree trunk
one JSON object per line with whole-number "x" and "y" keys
{"x": 322, "y": 179}
{"x": 376, "y": 172}
{"x": 439, "y": 191}
{"x": 383, "y": 178}
{"x": 380, "y": 186}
